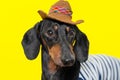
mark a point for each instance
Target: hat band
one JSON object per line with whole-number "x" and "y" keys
{"x": 60, "y": 9}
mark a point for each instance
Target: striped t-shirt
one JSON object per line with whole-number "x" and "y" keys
{"x": 100, "y": 67}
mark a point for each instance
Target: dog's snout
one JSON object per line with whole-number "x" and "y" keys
{"x": 68, "y": 61}
{"x": 68, "y": 57}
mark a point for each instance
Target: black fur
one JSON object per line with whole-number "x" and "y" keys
{"x": 48, "y": 35}
{"x": 31, "y": 42}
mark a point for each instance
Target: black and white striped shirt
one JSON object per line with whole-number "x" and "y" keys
{"x": 100, "y": 67}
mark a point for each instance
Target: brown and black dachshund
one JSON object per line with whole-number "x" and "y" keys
{"x": 64, "y": 47}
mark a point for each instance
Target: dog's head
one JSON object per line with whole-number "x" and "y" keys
{"x": 64, "y": 43}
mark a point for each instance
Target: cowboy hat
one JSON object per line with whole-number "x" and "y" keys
{"x": 60, "y": 11}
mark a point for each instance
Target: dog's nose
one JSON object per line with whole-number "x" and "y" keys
{"x": 68, "y": 61}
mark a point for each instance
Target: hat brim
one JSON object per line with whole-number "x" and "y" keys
{"x": 59, "y": 17}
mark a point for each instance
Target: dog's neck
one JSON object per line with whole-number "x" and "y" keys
{"x": 50, "y": 71}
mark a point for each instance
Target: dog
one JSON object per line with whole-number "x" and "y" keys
{"x": 64, "y": 47}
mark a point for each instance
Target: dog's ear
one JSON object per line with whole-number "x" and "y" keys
{"x": 31, "y": 42}
{"x": 81, "y": 46}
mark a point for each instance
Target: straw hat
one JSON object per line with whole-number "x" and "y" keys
{"x": 60, "y": 11}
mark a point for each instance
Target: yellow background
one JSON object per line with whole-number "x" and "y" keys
{"x": 102, "y": 26}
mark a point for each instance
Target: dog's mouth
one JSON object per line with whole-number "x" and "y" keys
{"x": 62, "y": 56}
{"x": 54, "y": 66}
{"x": 63, "y": 62}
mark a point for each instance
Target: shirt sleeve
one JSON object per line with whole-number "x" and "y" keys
{"x": 100, "y": 67}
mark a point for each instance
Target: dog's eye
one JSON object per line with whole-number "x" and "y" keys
{"x": 71, "y": 36}
{"x": 50, "y": 32}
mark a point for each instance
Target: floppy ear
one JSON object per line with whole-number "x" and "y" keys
{"x": 81, "y": 46}
{"x": 31, "y": 42}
